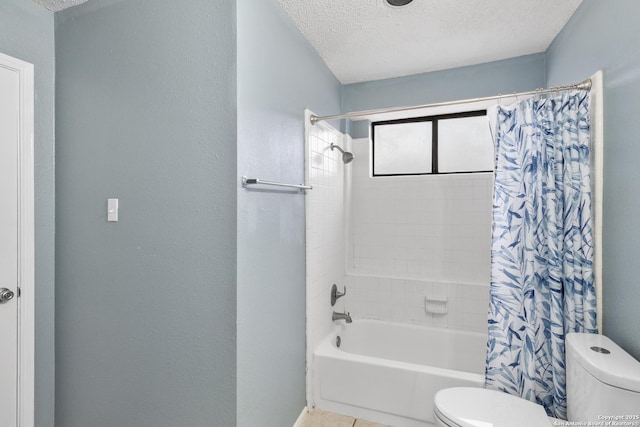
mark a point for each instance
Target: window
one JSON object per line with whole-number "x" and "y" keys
{"x": 451, "y": 143}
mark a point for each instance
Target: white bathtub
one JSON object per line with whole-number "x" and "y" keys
{"x": 389, "y": 372}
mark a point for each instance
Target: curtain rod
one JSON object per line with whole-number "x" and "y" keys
{"x": 585, "y": 85}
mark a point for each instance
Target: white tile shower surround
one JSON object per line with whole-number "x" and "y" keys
{"x": 403, "y": 301}
{"x": 325, "y": 235}
{"x": 325, "y": 230}
{"x": 418, "y": 236}
{"x": 435, "y": 228}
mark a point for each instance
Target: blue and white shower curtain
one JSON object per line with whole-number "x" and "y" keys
{"x": 542, "y": 282}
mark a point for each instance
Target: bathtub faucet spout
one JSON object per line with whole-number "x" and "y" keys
{"x": 341, "y": 316}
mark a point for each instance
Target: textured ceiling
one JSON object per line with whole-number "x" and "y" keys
{"x": 56, "y": 5}
{"x": 363, "y": 40}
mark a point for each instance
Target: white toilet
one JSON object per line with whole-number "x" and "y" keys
{"x": 602, "y": 380}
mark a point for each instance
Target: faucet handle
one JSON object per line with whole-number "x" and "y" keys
{"x": 335, "y": 294}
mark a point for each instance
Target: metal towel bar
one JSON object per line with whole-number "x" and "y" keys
{"x": 251, "y": 181}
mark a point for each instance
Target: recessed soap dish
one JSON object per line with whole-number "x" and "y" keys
{"x": 436, "y": 304}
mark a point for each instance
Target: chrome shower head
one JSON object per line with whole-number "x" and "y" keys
{"x": 347, "y": 157}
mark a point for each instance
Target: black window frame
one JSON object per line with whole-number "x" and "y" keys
{"x": 434, "y": 141}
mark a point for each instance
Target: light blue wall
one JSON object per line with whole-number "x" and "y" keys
{"x": 26, "y": 32}
{"x": 492, "y": 78}
{"x": 606, "y": 35}
{"x": 279, "y": 74}
{"x": 146, "y": 307}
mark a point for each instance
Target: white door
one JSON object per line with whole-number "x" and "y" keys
{"x": 9, "y": 140}
{"x": 16, "y": 242}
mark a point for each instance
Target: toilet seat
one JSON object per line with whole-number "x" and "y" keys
{"x": 480, "y": 407}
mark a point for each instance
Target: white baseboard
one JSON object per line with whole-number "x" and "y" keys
{"x": 301, "y": 417}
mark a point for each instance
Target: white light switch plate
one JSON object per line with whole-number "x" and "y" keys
{"x": 112, "y": 210}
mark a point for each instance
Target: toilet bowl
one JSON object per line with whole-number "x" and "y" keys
{"x": 480, "y": 407}
{"x": 602, "y": 380}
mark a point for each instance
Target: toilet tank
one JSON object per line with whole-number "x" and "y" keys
{"x": 603, "y": 381}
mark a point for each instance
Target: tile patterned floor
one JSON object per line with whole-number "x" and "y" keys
{"x": 319, "y": 418}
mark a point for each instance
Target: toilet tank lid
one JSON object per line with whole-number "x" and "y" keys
{"x": 616, "y": 368}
